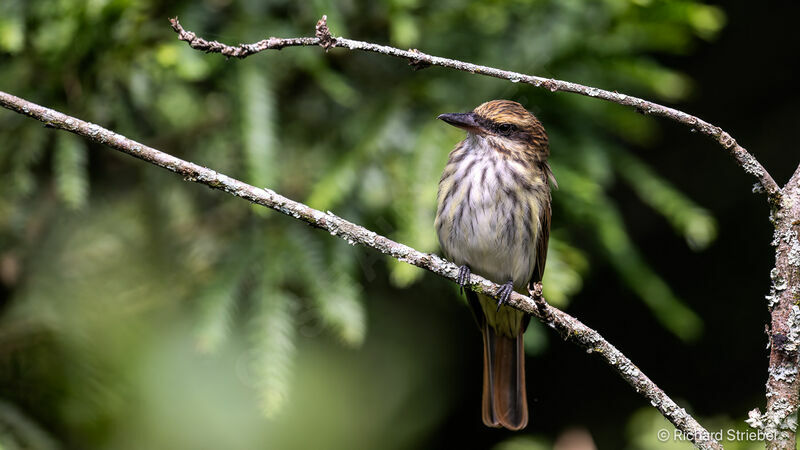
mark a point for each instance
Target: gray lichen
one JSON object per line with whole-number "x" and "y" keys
{"x": 750, "y": 164}
{"x": 772, "y": 299}
{"x": 793, "y": 257}
{"x": 779, "y": 284}
{"x": 793, "y": 323}
{"x": 784, "y": 373}
{"x": 755, "y": 419}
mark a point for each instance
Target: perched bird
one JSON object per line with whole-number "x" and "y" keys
{"x": 493, "y": 219}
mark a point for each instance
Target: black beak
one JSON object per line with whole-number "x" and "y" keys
{"x": 465, "y": 121}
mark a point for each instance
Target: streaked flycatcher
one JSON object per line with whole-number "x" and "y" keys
{"x": 493, "y": 219}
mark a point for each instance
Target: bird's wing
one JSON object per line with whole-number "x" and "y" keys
{"x": 541, "y": 243}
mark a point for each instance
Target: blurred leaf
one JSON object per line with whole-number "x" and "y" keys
{"x": 663, "y": 82}
{"x": 343, "y": 174}
{"x": 589, "y": 204}
{"x": 32, "y": 141}
{"x": 178, "y": 106}
{"x": 415, "y": 207}
{"x": 563, "y": 277}
{"x": 536, "y": 337}
{"x": 216, "y": 303}
{"x": 258, "y": 127}
{"x": 404, "y": 30}
{"x": 167, "y": 54}
{"x": 336, "y": 297}
{"x": 190, "y": 64}
{"x": 12, "y": 34}
{"x": 707, "y": 20}
{"x": 18, "y": 431}
{"x": 57, "y": 35}
{"x": 336, "y": 86}
{"x": 273, "y": 334}
{"x": 693, "y": 222}
{"x": 69, "y": 167}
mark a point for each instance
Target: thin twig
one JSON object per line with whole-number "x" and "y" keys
{"x": 418, "y": 59}
{"x": 569, "y": 327}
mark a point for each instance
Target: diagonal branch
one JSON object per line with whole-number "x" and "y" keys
{"x": 418, "y": 60}
{"x": 570, "y": 328}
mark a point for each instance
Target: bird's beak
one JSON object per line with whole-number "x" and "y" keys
{"x": 465, "y": 121}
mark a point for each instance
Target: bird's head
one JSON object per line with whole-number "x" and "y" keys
{"x": 506, "y": 125}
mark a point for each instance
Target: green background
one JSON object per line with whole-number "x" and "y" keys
{"x": 141, "y": 311}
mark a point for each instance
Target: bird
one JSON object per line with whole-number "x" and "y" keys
{"x": 493, "y": 219}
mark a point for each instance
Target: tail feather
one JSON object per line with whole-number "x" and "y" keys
{"x": 504, "y": 398}
{"x": 489, "y": 418}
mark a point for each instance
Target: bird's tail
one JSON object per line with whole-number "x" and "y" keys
{"x": 504, "y": 401}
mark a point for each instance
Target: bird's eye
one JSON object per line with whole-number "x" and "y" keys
{"x": 505, "y": 128}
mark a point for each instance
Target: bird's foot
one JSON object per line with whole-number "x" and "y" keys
{"x": 535, "y": 290}
{"x": 463, "y": 277}
{"x": 504, "y": 294}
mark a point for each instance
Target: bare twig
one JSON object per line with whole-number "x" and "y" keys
{"x": 418, "y": 59}
{"x": 569, "y": 327}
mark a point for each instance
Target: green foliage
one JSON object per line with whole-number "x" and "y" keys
{"x": 563, "y": 278}
{"x": 216, "y": 307}
{"x": 690, "y": 220}
{"x": 591, "y": 205}
{"x": 258, "y": 126}
{"x": 19, "y": 432}
{"x": 347, "y": 132}
{"x": 414, "y": 193}
{"x": 335, "y": 296}
{"x": 273, "y": 347}
{"x": 69, "y": 168}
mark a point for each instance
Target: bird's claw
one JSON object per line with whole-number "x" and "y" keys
{"x": 504, "y": 294}
{"x": 463, "y": 277}
{"x": 535, "y": 290}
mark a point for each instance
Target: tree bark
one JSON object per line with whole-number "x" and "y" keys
{"x": 783, "y": 384}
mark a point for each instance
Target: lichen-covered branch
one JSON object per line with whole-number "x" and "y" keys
{"x": 420, "y": 60}
{"x": 570, "y": 328}
{"x": 783, "y": 382}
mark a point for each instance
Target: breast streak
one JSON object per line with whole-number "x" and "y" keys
{"x": 496, "y": 231}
